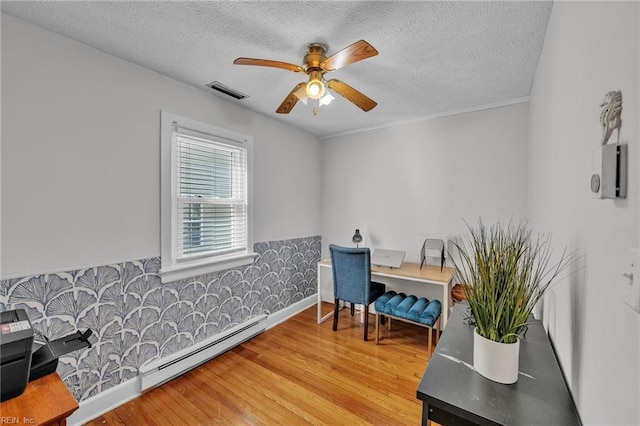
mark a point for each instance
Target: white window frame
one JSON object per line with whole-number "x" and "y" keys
{"x": 174, "y": 268}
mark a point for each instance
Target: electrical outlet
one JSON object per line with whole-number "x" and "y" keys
{"x": 632, "y": 281}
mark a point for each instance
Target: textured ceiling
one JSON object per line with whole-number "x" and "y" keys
{"x": 435, "y": 57}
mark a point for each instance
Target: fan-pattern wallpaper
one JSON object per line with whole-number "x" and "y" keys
{"x": 135, "y": 318}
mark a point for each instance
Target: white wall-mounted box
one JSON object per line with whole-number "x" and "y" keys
{"x": 609, "y": 178}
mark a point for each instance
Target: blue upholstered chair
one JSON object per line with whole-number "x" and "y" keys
{"x": 352, "y": 281}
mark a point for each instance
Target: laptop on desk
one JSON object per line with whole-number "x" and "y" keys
{"x": 388, "y": 258}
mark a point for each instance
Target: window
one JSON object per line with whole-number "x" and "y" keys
{"x": 205, "y": 192}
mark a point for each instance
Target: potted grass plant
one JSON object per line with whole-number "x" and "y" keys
{"x": 505, "y": 270}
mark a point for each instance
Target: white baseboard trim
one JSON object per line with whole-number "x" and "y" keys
{"x": 104, "y": 402}
{"x": 286, "y": 313}
{"x": 124, "y": 392}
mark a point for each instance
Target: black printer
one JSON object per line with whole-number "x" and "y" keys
{"x": 16, "y": 343}
{"x": 24, "y": 357}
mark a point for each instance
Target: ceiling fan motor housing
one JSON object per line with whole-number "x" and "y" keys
{"x": 314, "y": 57}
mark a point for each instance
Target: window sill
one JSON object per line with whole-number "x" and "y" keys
{"x": 178, "y": 271}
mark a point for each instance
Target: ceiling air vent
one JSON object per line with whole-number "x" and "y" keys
{"x": 216, "y": 85}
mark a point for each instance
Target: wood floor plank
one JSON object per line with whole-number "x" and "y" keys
{"x": 298, "y": 372}
{"x": 261, "y": 403}
{"x": 301, "y": 401}
{"x": 217, "y": 403}
{"x": 330, "y": 396}
{"x": 330, "y": 384}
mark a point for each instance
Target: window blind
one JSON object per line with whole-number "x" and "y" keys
{"x": 211, "y": 195}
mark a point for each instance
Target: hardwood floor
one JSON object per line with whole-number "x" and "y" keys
{"x": 298, "y": 372}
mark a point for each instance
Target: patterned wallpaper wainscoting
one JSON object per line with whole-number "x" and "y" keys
{"x": 135, "y": 318}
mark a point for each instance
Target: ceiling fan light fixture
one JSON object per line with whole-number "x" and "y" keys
{"x": 301, "y": 94}
{"x": 315, "y": 89}
{"x": 326, "y": 99}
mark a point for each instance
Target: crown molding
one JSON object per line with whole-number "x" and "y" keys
{"x": 431, "y": 117}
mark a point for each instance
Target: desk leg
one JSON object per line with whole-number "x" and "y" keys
{"x": 321, "y": 318}
{"x": 445, "y": 303}
{"x": 425, "y": 415}
{"x": 319, "y": 297}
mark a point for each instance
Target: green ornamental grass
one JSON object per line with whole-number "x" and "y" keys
{"x": 506, "y": 270}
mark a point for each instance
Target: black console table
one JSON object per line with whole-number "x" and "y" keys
{"x": 453, "y": 393}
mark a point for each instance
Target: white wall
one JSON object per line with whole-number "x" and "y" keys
{"x": 590, "y": 48}
{"x": 80, "y": 156}
{"x": 401, "y": 184}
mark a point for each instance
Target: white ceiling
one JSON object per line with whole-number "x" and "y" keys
{"x": 435, "y": 57}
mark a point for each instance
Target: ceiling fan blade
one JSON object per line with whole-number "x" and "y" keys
{"x": 356, "y": 52}
{"x": 290, "y": 101}
{"x": 269, "y": 63}
{"x": 352, "y": 95}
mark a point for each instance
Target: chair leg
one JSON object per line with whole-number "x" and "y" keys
{"x": 366, "y": 323}
{"x": 429, "y": 340}
{"x": 377, "y": 328}
{"x": 336, "y": 310}
{"x": 353, "y": 309}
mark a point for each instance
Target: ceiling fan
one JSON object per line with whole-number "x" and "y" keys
{"x": 315, "y": 65}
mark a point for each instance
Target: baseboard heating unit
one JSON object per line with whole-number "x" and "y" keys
{"x": 165, "y": 369}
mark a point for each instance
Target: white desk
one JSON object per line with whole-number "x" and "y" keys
{"x": 408, "y": 272}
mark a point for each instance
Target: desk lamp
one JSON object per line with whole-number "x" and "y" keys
{"x": 357, "y": 238}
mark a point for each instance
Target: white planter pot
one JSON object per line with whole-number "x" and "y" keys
{"x": 496, "y": 361}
